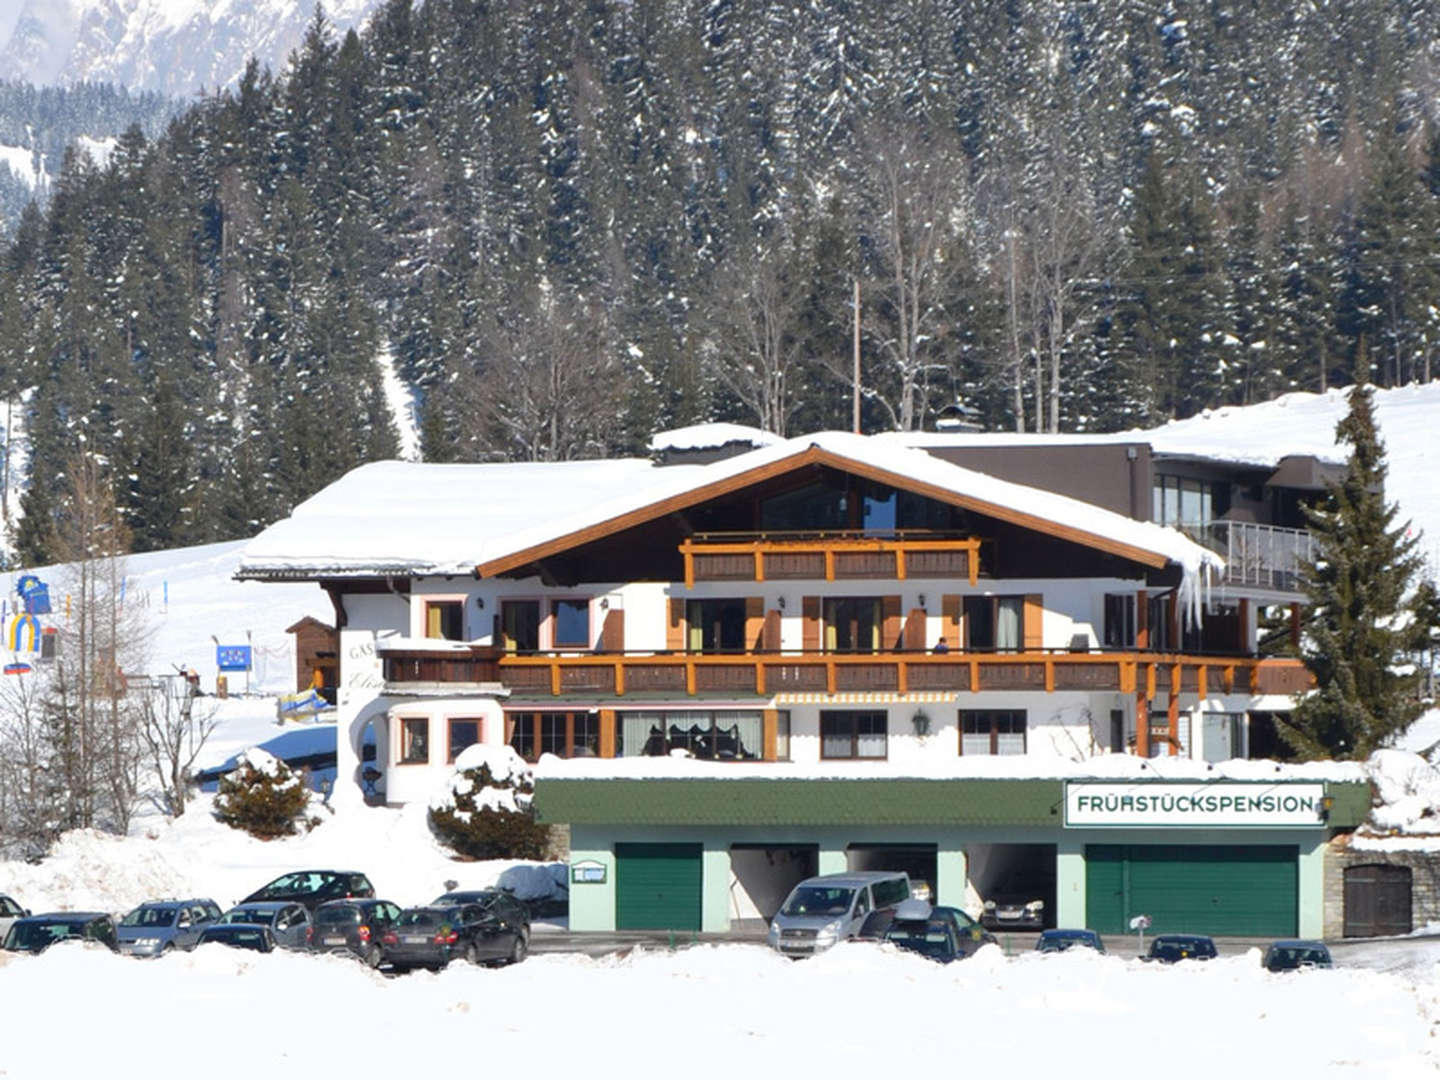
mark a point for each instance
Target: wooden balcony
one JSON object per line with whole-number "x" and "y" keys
{"x": 828, "y": 557}
{"x": 419, "y": 665}
{"x": 767, "y": 674}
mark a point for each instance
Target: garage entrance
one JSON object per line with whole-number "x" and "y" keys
{"x": 1203, "y": 889}
{"x": 762, "y": 875}
{"x": 657, "y": 886}
{"x": 1377, "y": 900}
{"x": 1014, "y": 874}
{"x": 917, "y": 860}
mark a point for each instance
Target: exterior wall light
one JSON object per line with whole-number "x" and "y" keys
{"x": 921, "y": 722}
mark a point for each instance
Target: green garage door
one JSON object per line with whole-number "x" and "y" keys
{"x": 1240, "y": 891}
{"x": 657, "y": 886}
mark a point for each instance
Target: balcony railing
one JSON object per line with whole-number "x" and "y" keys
{"x": 767, "y": 674}
{"x": 1260, "y": 556}
{"x": 418, "y": 665}
{"x": 841, "y": 555}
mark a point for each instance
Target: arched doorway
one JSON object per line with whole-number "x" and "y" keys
{"x": 1377, "y": 900}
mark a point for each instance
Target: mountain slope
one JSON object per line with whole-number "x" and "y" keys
{"x": 176, "y": 47}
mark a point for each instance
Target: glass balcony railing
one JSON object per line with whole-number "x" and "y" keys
{"x": 1260, "y": 556}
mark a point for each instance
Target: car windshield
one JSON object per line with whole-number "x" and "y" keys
{"x": 151, "y": 917}
{"x": 31, "y": 937}
{"x": 929, "y": 939}
{"x": 819, "y": 900}
{"x": 308, "y": 881}
{"x": 261, "y": 916}
{"x": 8, "y": 907}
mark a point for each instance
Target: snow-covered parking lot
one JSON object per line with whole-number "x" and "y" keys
{"x": 711, "y": 1011}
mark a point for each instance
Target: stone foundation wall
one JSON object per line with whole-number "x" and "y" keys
{"x": 1424, "y": 882}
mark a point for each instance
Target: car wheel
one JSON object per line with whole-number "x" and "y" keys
{"x": 372, "y": 956}
{"x": 520, "y": 949}
{"x": 472, "y": 954}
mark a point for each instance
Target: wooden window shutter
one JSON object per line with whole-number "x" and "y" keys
{"x": 770, "y": 635}
{"x": 754, "y": 622}
{"x": 914, "y": 634}
{"x": 612, "y": 633}
{"x": 1034, "y": 636}
{"x": 675, "y": 625}
{"x": 950, "y": 620}
{"x": 889, "y": 622}
{"x": 810, "y": 624}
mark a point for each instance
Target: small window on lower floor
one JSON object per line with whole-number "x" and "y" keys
{"x": 464, "y": 733}
{"x": 854, "y": 734}
{"x": 992, "y": 731}
{"x": 414, "y": 740}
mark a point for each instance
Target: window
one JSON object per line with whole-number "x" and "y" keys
{"x": 723, "y": 735}
{"x": 715, "y": 625}
{"x": 994, "y": 622}
{"x": 564, "y": 734}
{"x": 464, "y": 733}
{"x": 1119, "y": 620}
{"x": 570, "y": 624}
{"x": 854, "y": 734}
{"x": 852, "y": 624}
{"x": 1187, "y": 502}
{"x": 445, "y": 619}
{"x": 520, "y": 625}
{"x": 992, "y": 731}
{"x": 415, "y": 741}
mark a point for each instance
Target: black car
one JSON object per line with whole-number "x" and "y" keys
{"x": 431, "y": 937}
{"x": 36, "y": 933}
{"x": 1172, "y": 948}
{"x": 353, "y": 926}
{"x": 239, "y": 936}
{"x": 939, "y": 933}
{"x": 313, "y": 887}
{"x": 288, "y": 921}
{"x": 1295, "y": 955}
{"x": 504, "y": 905}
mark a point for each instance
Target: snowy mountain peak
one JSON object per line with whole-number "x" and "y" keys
{"x": 174, "y": 47}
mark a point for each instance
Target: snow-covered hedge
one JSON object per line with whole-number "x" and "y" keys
{"x": 264, "y": 797}
{"x": 484, "y": 812}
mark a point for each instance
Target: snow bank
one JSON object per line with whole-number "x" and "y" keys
{"x": 710, "y": 437}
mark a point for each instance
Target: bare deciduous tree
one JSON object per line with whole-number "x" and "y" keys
{"x": 175, "y": 731}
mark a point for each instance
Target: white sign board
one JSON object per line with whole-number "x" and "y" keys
{"x": 1216, "y": 805}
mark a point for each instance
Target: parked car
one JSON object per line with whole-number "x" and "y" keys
{"x": 313, "y": 887}
{"x": 1296, "y": 954}
{"x": 353, "y": 926}
{"x": 36, "y": 933}
{"x": 821, "y": 911}
{"x": 239, "y": 936}
{"x": 1172, "y": 948}
{"x": 505, "y": 906}
{"x": 1051, "y": 941}
{"x": 289, "y": 921}
{"x": 9, "y": 912}
{"x": 158, "y": 926}
{"x": 1013, "y": 905}
{"x": 939, "y": 933}
{"x": 431, "y": 937}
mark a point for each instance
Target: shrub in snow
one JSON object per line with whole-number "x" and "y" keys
{"x": 485, "y": 812}
{"x": 263, "y": 796}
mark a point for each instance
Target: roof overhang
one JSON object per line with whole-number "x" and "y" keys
{"x": 809, "y": 456}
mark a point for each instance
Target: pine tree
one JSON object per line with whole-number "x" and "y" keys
{"x": 1362, "y": 628}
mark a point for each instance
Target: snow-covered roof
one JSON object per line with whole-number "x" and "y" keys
{"x": 710, "y": 437}
{"x": 406, "y": 517}
{"x": 396, "y": 517}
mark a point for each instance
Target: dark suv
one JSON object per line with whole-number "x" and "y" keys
{"x": 353, "y": 926}
{"x": 36, "y": 933}
{"x": 313, "y": 887}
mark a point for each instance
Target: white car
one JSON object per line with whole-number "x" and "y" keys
{"x": 9, "y": 912}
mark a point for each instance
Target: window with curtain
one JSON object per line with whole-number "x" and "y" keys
{"x": 722, "y": 735}
{"x": 992, "y": 731}
{"x": 715, "y": 625}
{"x": 854, "y": 734}
{"x": 852, "y": 624}
{"x": 414, "y": 740}
{"x": 994, "y": 622}
{"x": 520, "y": 623}
{"x": 445, "y": 619}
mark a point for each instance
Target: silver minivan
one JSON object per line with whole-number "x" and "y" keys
{"x": 823, "y": 910}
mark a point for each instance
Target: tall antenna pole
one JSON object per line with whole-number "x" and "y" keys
{"x": 855, "y": 400}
